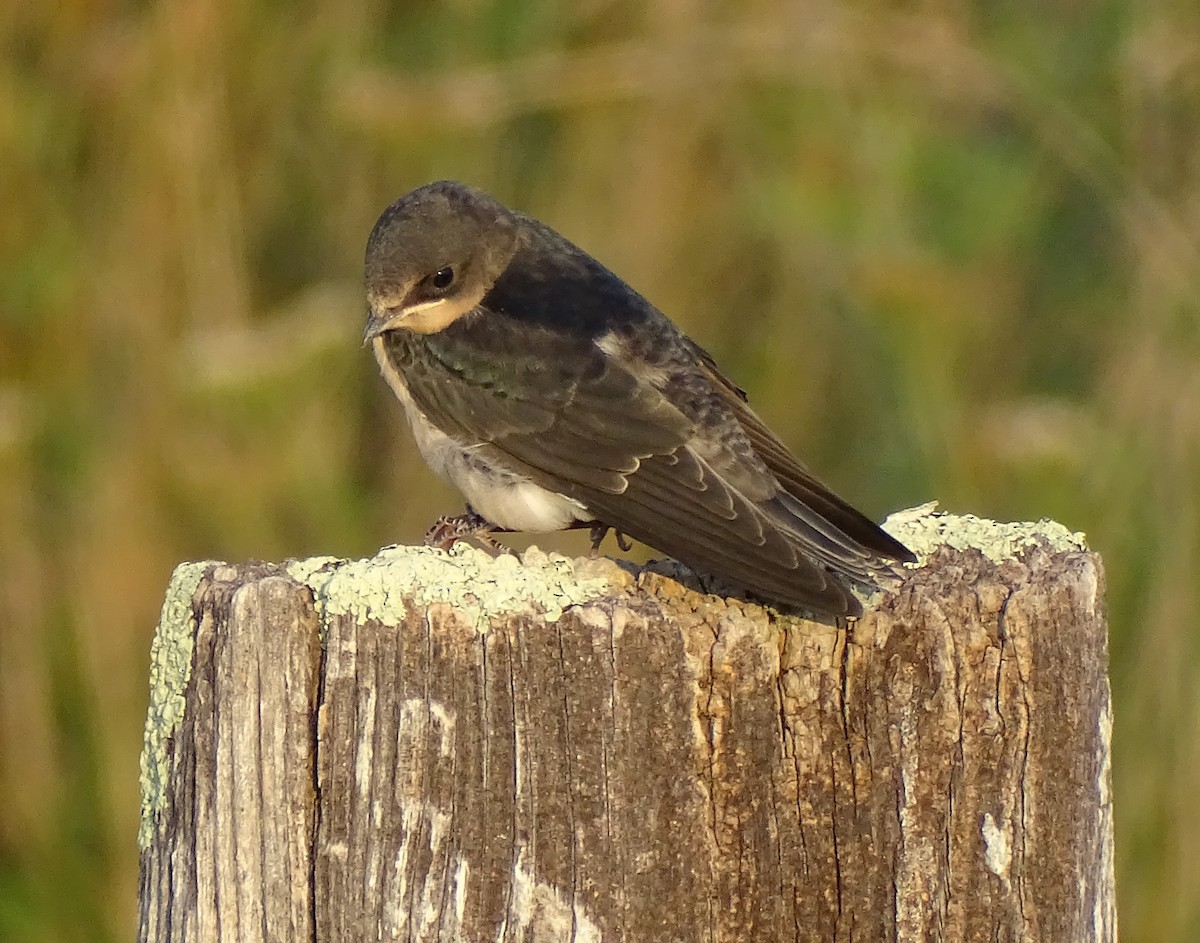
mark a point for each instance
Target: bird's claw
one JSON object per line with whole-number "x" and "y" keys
{"x": 600, "y": 531}
{"x": 449, "y": 529}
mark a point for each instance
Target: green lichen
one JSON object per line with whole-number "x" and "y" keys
{"x": 924, "y": 529}
{"x": 474, "y": 583}
{"x": 170, "y": 668}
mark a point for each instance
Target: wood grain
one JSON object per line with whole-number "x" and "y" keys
{"x": 649, "y": 763}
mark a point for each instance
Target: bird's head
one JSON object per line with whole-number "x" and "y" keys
{"x": 433, "y": 255}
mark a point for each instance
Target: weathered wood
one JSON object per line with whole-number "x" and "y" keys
{"x": 430, "y": 746}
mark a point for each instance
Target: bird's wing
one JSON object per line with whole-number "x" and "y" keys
{"x": 820, "y": 503}
{"x": 651, "y": 452}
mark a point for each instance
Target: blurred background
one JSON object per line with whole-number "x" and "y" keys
{"x": 949, "y": 248}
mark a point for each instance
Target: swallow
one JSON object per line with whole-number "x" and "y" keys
{"x": 553, "y": 396}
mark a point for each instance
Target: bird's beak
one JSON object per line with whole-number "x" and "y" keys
{"x": 381, "y": 320}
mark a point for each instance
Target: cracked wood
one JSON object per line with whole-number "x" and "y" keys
{"x": 653, "y": 764}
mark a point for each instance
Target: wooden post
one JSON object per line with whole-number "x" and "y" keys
{"x": 448, "y": 747}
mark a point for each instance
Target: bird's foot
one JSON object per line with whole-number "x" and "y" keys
{"x": 449, "y": 529}
{"x": 600, "y": 531}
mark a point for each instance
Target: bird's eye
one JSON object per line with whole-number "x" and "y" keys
{"x": 442, "y": 278}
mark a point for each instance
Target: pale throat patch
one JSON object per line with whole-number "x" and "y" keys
{"x": 432, "y": 316}
{"x": 429, "y": 317}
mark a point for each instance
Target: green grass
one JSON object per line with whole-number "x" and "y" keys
{"x": 950, "y": 253}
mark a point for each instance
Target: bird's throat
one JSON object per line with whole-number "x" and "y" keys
{"x": 429, "y": 317}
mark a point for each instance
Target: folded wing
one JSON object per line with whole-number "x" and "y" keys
{"x": 669, "y": 454}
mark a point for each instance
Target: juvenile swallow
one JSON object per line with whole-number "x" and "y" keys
{"x": 553, "y": 395}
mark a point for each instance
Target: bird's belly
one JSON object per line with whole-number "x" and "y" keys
{"x": 500, "y": 496}
{"x": 521, "y": 505}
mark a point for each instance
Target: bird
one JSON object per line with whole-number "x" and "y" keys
{"x": 553, "y": 396}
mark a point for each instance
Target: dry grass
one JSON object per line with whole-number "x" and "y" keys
{"x": 950, "y": 254}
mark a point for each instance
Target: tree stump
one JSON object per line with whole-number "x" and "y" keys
{"x": 433, "y": 746}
